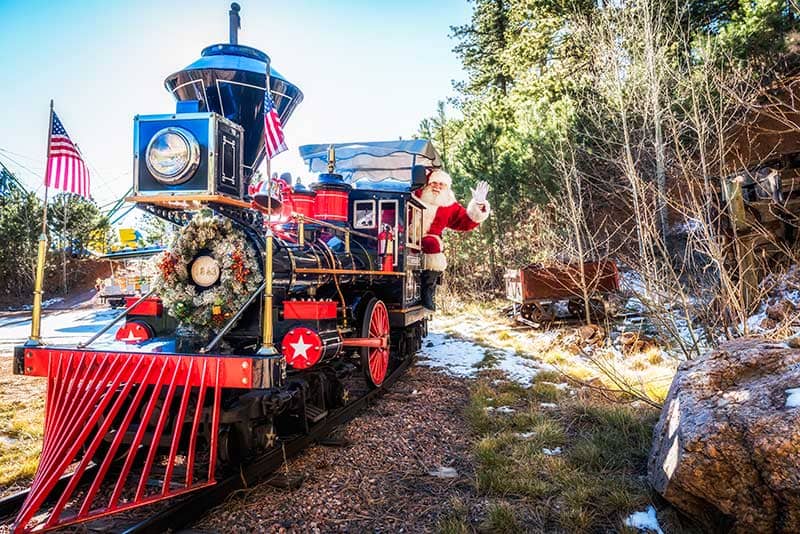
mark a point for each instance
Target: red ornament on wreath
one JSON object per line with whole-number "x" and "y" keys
{"x": 240, "y": 270}
{"x": 167, "y": 265}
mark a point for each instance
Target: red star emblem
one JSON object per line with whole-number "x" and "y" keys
{"x": 301, "y": 347}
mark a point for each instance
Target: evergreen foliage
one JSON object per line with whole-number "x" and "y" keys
{"x": 74, "y": 222}
{"x": 595, "y": 92}
{"x": 20, "y": 227}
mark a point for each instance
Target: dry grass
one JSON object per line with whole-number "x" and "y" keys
{"x": 21, "y": 423}
{"x": 597, "y": 477}
{"x": 649, "y": 373}
{"x": 596, "y": 480}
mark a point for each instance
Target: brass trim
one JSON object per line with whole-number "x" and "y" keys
{"x": 304, "y": 270}
{"x": 312, "y": 220}
{"x": 187, "y": 201}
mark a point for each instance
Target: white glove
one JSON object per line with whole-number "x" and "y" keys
{"x": 480, "y": 192}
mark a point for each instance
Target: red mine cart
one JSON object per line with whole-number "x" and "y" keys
{"x": 542, "y": 293}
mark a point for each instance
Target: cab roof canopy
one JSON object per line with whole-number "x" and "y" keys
{"x": 375, "y": 161}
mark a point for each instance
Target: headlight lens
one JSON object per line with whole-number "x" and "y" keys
{"x": 173, "y": 155}
{"x": 205, "y": 271}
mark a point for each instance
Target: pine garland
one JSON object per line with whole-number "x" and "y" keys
{"x": 208, "y": 309}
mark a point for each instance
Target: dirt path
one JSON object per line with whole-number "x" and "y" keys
{"x": 381, "y": 481}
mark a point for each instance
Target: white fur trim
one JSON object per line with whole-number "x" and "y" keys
{"x": 475, "y": 213}
{"x": 434, "y": 262}
{"x": 440, "y": 176}
{"x": 428, "y": 214}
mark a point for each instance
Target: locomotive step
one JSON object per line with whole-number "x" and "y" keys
{"x": 315, "y": 414}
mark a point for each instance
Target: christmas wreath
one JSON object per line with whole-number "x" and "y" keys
{"x": 208, "y": 273}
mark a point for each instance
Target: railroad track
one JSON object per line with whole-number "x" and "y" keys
{"x": 190, "y": 509}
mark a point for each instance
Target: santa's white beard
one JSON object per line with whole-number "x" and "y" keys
{"x": 444, "y": 198}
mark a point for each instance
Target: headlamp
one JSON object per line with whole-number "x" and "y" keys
{"x": 173, "y": 155}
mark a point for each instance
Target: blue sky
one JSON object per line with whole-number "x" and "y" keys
{"x": 370, "y": 70}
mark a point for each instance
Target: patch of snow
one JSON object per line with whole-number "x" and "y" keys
{"x": 793, "y": 398}
{"x": 68, "y": 327}
{"x": 631, "y": 281}
{"x": 459, "y": 358}
{"x": 525, "y": 435}
{"x": 74, "y": 326}
{"x": 646, "y": 521}
{"x": 443, "y": 472}
{"x": 500, "y": 409}
{"x": 634, "y": 305}
{"x": 50, "y": 302}
{"x": 548, "y": 405}
{"x": 552, "y": 452}
{"x": 754, "y": 322}
{"x": 688, "y": 226}
{"x": 792, "y": 296}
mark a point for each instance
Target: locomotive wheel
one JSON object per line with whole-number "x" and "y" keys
{"x": 375, "y": 362}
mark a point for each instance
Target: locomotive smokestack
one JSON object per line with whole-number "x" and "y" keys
{"x": 235, "y": 22}
{"x": 229, "y": 79}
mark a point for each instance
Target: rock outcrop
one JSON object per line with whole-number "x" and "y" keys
{"x": 726, "y": 449}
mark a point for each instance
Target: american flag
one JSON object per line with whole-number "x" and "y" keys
{"x": 273, "y": 133}
{"x": 65, "y": 167}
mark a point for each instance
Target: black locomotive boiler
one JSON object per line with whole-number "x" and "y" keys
{"x": 275, "y": 305}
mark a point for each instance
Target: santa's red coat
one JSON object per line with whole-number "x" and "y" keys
{"x": 443, "y": 212}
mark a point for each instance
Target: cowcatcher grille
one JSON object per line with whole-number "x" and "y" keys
{"x": 132, "y": 428}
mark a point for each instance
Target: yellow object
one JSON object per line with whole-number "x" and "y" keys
{"x": 127, "y": 235}
{"x": 36, "y": 319}
{"x": 216, "y": 310}
{"x": 267, "y": 346}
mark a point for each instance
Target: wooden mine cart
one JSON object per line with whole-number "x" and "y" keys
{"x": 537, "y": 291}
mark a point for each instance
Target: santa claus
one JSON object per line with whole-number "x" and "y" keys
{"x": 442, "y": 210}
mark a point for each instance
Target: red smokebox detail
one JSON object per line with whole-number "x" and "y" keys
{"x": 151, "y": 307}
{"x": 314, "y": 310}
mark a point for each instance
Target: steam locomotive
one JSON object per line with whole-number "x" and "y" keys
{"x": 275, "y": 305}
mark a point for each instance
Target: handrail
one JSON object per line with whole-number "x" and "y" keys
{"x": 112, "y": 323}
{"x": 225, "y": 329}
{"x": 305, "y": 218}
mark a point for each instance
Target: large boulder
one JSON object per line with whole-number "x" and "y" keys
{"x": 726, "y": 449}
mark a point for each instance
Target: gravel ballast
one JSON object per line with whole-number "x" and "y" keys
{"x": 396, "y": 474}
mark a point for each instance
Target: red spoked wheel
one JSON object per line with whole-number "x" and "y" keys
{"x": 375, "y": 361}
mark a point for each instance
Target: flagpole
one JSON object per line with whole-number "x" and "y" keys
{"x": 36, "y": 319}
{"x": 267, "y": 342}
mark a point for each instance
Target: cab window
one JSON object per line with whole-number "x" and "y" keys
{"x": 364, "y": 214}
